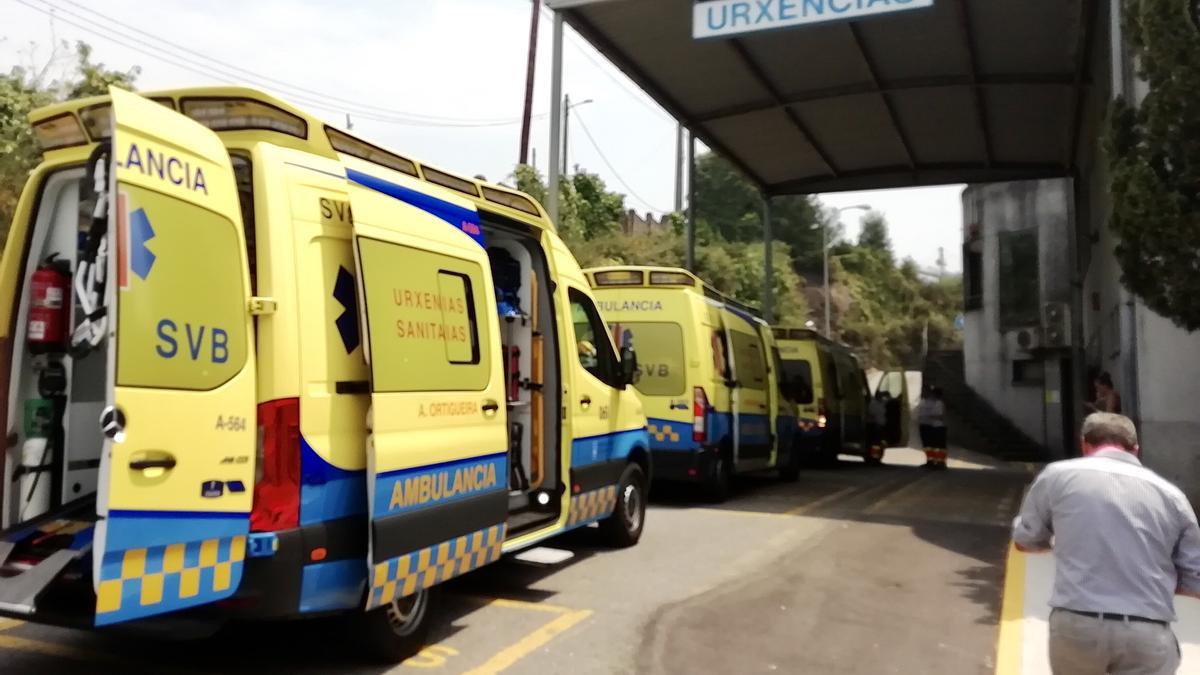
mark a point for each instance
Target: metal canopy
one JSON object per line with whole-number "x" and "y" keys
{"x": 965, "y": 91}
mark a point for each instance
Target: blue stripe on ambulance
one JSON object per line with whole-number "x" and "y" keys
{"x": 327, "y": 492}
{"x": 420, "y": 487}
{"x": 608, "y": 447}
{"x": 461, "y": 218}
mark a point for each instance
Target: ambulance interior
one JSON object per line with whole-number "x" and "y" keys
{"x": 55, "y": 399}
{"x": 56, "y": 394}
{"x": 529, "y": 350}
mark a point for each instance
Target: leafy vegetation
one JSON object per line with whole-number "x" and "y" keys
{"x": 23, "y": 90}
{"x": 1153, "y": 150}
{"x": 887, "y": 312}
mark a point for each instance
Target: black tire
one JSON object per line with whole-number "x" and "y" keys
{"x": 624, "y": 527}
{"x": 398, "y": 630}
{"x": 871, "y": 460}
{"x": 720, "y": 478}
{"x": 790, "y": 471}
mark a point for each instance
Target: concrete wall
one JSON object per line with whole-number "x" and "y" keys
{"x": 988, "y": 353}
{"x": 1154, "y": 363}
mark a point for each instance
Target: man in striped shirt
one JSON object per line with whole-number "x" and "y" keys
{"x": 1125, "y": 541}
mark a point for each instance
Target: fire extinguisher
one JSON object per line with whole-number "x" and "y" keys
{"x": 49, "y": 309}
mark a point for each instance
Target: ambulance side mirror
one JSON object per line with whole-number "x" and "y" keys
{"x": 629, "y": 368}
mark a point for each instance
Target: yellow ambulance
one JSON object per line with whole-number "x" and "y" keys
{"x": 833, "y": 394}
{"x": 261, "y": 368}
{"x": 709, "y": 376}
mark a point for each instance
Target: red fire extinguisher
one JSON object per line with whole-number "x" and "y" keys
{"x": 49, "y": 307}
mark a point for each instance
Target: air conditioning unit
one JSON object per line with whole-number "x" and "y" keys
{"x": 1024, "y": 340}
{"x": 1056, "y": 325}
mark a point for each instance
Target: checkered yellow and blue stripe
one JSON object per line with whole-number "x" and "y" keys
{"x": 139, "y": 582}
{"x": 409, "y": 573}
{"x": 592, "y": 505}
{"x": 663, "y": 431}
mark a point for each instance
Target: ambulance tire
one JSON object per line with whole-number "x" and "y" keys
{"x": 720, "y": 478}
{"x": 397, "y": 630}
{"x": 624, "y": 527}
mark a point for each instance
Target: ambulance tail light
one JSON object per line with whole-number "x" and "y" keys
{"x": 822, "y": 420}
{"x": 277, "y": 479}
{"x": 699, "y": 415}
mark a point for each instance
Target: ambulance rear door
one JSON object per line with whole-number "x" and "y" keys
{"x": 437, "y": 463}
{"x": 177, "y": 469}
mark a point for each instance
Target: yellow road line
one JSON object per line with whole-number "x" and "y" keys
{"x": 1009, "y": 650}
{"x": 814, "y": 505}
{"x": 50, "y": 649}
{"x": 509, "y": 655}
{"x": 523, "y": 604}
{"x": 5, "y": 624}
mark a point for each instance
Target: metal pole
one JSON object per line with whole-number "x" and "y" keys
{"x": 527, "y": 114}
{"x": 679, "y": 168}
{"x": 691, "y": 214}
{"x": 825, "y": 258}
{"x": 768, "y": 302}
{"x": 555, "y": 117}
{"x": 566, "y": 131}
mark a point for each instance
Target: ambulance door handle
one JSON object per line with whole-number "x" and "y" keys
{"x": 153, "y": 463}
{"x": 490, "y": 407}
{"x": 585, "y": 402}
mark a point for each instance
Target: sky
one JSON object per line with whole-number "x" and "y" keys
{"x": 442, "y": 81}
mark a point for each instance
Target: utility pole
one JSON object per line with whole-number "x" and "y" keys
{"x": 691, "y": 209}
{"x": 349, "y": 124}
{"x": 768, "y": 301}
{"x": 529, "y": 71}
{"x": 555, "y": 117}
{"x": 566, "y": 131}
{"x": 679, "y": 168}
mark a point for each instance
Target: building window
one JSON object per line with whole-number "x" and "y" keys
{"x": 1028, "y": 372}
{"x": 973, "y": 275}
{"x": 1018, "y": 282}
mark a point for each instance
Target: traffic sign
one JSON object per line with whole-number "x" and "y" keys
{"x": 722, "y": 18}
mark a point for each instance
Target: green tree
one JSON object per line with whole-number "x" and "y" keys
{"x": 1153, "y": 152}
{"x": 22, "y": 91}
{"x": 600, "y": 211}
{"x": 874, "y": 234}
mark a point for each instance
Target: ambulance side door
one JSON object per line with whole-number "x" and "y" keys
{"x": 178, "y": 464}
{"x": 592, "y": 404}
{"x": 437, "y": 457}
{"x": 751, "y": 399}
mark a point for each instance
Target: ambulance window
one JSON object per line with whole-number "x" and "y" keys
{"x": 595, "y": 351}
{"x": 799, "y": 376}
{"x": 244, "y": 176}
{"x": 423, "y": 332}
{"x": 748, "y": 361}
{"x": 659, "y": 348}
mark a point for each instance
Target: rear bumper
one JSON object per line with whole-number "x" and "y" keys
{"x": 691, "y": 465}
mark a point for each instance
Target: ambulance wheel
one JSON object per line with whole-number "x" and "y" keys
{"x": 399, "y": 629}
{"x": 720, "y": 478}
{"x": 624, "y": 527}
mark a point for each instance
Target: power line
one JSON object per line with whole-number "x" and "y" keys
{"x": 634, "y": 194}
{"x": 281, "y": 83}
{"x": 210, "y": 71}
{"x": 639, "y": 96}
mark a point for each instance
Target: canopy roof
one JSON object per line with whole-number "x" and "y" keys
{"x": 963, "y": 91}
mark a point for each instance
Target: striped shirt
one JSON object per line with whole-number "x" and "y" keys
{"x": 1125, "y": 539}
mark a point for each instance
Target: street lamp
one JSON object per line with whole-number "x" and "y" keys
{"x": 567, "y": 105}
{"x": 825, "y": 257}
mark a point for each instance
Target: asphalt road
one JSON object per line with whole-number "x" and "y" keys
{"x": 850, "y": 570}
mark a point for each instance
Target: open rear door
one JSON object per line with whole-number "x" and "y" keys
{"x": 178, "y": 467}
{"x": 894, "y": 383}
{"x": 437, "y": 457}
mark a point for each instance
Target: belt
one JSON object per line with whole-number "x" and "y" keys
{"x": 1108, "y": 616}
